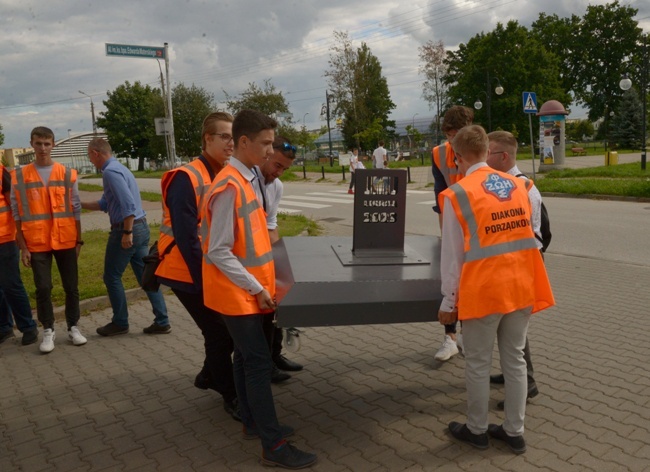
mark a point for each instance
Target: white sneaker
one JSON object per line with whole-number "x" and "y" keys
{"x": 448, "y": 349}
{"x": 76, "y": 337}
{"x": 47, "y": 345}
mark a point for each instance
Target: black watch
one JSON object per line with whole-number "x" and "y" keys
{"x": 127, "y": 231}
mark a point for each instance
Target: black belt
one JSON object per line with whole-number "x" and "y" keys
{"x": 142, "y": 220}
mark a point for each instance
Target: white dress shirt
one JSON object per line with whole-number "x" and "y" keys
{"x": 223, "y": 228}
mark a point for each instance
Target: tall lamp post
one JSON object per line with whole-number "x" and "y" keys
{"x": 488, "y": 96}
{"x": 626, "y": 84}
{"x": 305, "y": 128}
{"x": 329, "y": 129}
{"x": 92, "y": 110}
{"x": 412, "y": 128}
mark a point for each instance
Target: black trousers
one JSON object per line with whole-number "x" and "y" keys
{"x": 273, "y": 335}
{"x": 217, "y": 341}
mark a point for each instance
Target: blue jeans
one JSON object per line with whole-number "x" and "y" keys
{"x": 115, "y": 262}
{"x": 252, "y": 371}
{"x": 13, "y": 297}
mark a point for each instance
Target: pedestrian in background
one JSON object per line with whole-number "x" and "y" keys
{"x": 128, "y": 241}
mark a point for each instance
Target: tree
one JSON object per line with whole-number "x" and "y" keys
{"x": 2, "y": 136}
{"x": 360, "y": 93}
{"x": 579, "y": 130}
{"x": 268, "y": 100}
{"x": 517, "y": 60}
{"x": 594, "y": 51}
{"x": 129, "y": 121}
{"x": 434, "y": 88}
{"x": 625, "y": 129}
{"x": 191, "y": 105}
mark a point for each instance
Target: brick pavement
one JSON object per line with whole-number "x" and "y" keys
{"x": 371, "y": 398}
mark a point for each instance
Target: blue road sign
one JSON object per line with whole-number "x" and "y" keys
{"x": 530, "y": 102}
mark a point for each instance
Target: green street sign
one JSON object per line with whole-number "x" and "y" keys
{"x": 129, "y": 50}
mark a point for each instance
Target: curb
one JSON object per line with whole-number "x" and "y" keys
{"x": 90, "y": 304}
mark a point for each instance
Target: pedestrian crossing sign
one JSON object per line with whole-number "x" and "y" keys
{"x": 530, "y": 102}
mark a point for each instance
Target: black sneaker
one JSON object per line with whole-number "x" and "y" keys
{"x": 288, "y": 457}
{"x": 283, "y": 363}
{"x": 6, "y": 335}
{"x": 155, "y": 328}
{"x": 202, "y": 381}
{"x": 252, "y": 433}
{"x": 462, "y": 433}
{"x": 232, "y": 408}
{"x": 278, "y": 376}
{"x": 111, "y": 329}
{"x": 515, "y": 443}
{"x": 30, "y": 337}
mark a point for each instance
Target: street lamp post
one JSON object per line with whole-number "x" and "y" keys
{"x": 412, "y": 129}
{"x": 92, "y": 110}
{"x": 488, "y": 96}
{"x": 305, "y": 128}
{"x": 626, "y": 84}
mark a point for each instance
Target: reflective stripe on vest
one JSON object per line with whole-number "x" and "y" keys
{"x": 22, "y": 187}
{"x": 45, "y": 210}
{"x": 173, "y": 265}
{"x": 199, "y": 190}
{"x": 7, "y": 225}
{"x": 475, "y": 251}
{"x": 244, "y": 212}
{"x": 447, "y": 167}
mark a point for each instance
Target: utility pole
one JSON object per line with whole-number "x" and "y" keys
{"x": 329, "y": 130}
{"x": 172, "y": 141}
{"x": 92, "y": 111}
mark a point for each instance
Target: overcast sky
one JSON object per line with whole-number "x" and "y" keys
{"x": 52, "y": 49}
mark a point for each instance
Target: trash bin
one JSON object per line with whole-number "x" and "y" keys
{"x": 611, "y": 158}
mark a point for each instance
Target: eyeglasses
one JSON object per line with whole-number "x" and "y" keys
{"x": 226, "y": 138}
{"x": 286, "y": 147}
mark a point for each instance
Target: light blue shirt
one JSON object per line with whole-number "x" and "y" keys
{"x": 121, "y": 197}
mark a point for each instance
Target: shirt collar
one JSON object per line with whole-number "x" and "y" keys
{"x": 476, "y": 166}
{"x": 243, "y": 170}
{"x": 108, "y": 162}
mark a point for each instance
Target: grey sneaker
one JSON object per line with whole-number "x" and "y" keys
{"x": 111, "y": 329}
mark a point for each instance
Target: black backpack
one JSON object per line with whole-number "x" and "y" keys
{"x": 545, "y": 227}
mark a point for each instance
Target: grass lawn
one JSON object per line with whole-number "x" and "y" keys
{"x": 91, "y": 261}
{"x": 626, "y": 180}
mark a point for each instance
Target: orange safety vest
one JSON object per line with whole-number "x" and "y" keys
{"x": 252, "y": 247}
{"x": 7, "y": 225}
{"x": 503, "y": 270}
{"x": 173, "y": 266}
{"x": 46, "y": 214}
{"x": 447, "y": 167}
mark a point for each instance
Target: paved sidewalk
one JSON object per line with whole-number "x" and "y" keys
{"x": 371, "y": 398}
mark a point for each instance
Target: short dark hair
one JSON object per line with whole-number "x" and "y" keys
{"x": 250, "y": 123}
{"x": 41, "y": 132}
{"x": 282, "y": 144}
{"x": 457, "y": 117}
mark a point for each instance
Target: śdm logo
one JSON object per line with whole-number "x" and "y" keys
{"x": 499, "y": 186}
